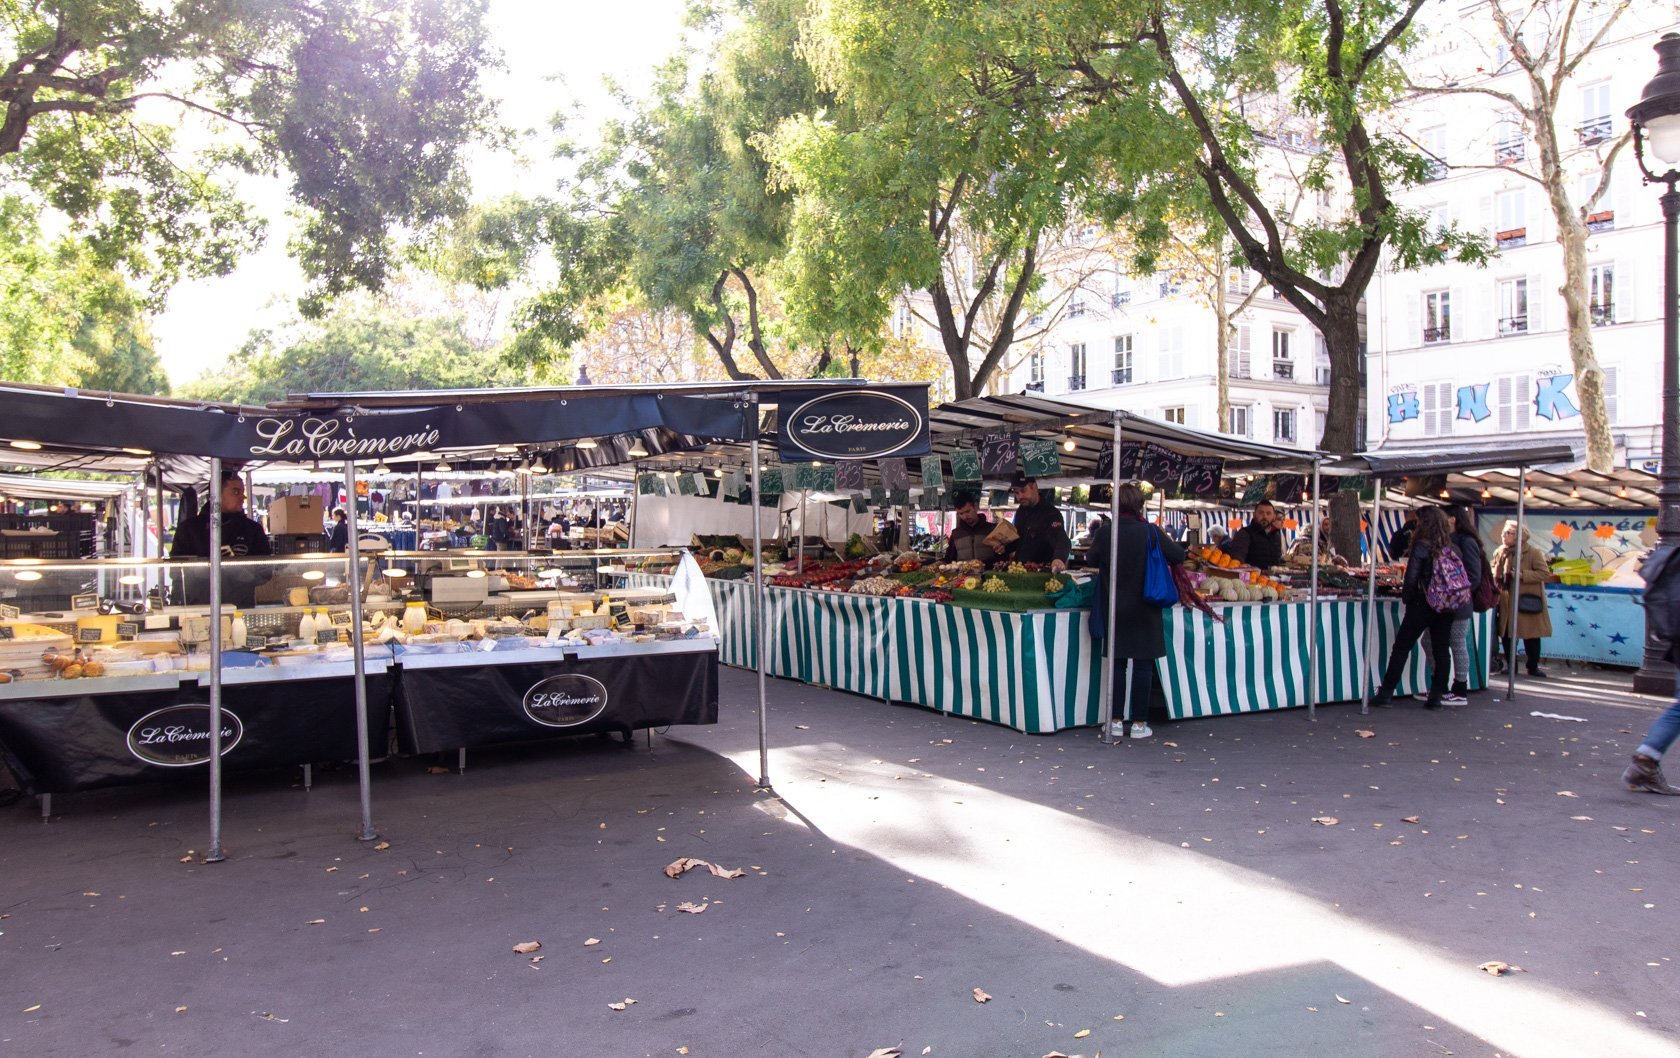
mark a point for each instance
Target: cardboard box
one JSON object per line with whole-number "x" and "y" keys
{"x": 296, "y": 515}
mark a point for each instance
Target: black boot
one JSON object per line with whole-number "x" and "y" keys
{"x": 1645, "y": 775}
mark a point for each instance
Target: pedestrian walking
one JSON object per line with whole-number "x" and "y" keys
{"x": 1436, "y": 587}
{"x": 1462, "y": 527}
{"x": 1138, "y": 636}
{"x": 1533, "y": 618}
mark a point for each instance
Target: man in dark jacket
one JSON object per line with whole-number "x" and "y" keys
{"x": 1043, "y": 538}
{"x": 1259, "y": 543}
{"x": 241, "y": 537}
{"x": 967, "y": 542}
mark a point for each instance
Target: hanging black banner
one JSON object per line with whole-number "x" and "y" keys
{"x": 855, "y": 424}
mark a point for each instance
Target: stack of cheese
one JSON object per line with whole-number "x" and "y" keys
{"x": 21, "y": 654}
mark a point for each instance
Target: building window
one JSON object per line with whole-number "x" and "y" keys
{"x": 1512, "y": 224}
{"x": 1283, "y": 425}
{"x": 901, "y": 322}
{"x": 1035, "y": 371}
{"x": 1172, "y": 352}
{"x": 1321, "y": 360}
{"x": 1437, "y": 317}
{"x": 1601, "y": 294}
{"x": 1035, "y": 320}
{"x": 1167, "y": 286}
{"x": 1439, "y": 408}
{"x": 1602, "y": 215}
{"x": 1123, "y": 360}
{"x": 1589, "y": 19}
{"x": 1240, "y": 358}
{"x": 1173, "y": 414}
{"x": 1595, "y": 123}
{"x": 1076, "y": 308}
{"x": 1076, "y": 367}
{"x": 1509, "y": 144}
{"x": 1238, "y": 282}
{"x": 1513, "y": 307}
{"x": 1434, "y": 143}
{"x": 1122, "y": 295}
{"x": 1241, "y": 422}
{"x": 1513, "y": 402}
{"x": 1283, "y": 364}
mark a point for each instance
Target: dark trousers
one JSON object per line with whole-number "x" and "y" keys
{"x": 1142, "y": 687}
{"x": 1531, "y": 647}
{"x": 1418, "y": 619}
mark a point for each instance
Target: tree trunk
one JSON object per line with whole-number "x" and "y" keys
{"x": 1589, "y": 378}
{"x": 1222, "y": 358}
{"x": 1341, "y": 421}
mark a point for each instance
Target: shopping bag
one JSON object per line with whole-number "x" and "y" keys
{"x": 1159, "y": 588}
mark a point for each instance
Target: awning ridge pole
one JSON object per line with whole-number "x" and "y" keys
{"x": 1370, "y": 638}
{"x": 1312, "y": 598}
{"x": 358, "y": 654}
{"x": 1516, "y": 586}
{"x": 215, "y": 853}
{"x": 1105, "y": 715}
{"x": 760, "y": 620}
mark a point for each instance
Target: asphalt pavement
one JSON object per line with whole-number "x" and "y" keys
{"x": 1257, "y": 885}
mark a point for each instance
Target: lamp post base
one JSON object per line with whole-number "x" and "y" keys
{"x": 1656, "y": 676}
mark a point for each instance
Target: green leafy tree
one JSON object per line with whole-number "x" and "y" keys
{"x": 116, "y": 339}
{"x": 365, "y": 106}
{"x": 359, "y": 346}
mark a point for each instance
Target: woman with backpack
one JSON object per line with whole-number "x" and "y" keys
{"x": 1462, "y": 528}
{"x": 1534, "y": 621}
{"x": 1138, "y": 636}
{"x": 1436, "y": 587}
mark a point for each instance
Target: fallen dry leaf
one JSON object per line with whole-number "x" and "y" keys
{"x": 615, "y": 1006}
{"x": 802, "y": 727}
{"x": 316, "y": 922}
{"x": 180, "y": 1010}
{"x": 677, "y": 868}
{"x": 1343, "y": 1001}
{"x": 885, "y": 1052}
{"x": 382, "y": 846}
{"x": 1055, "y": 1054}
{"x": 33, "y": 1009}
{"x": 1326, "y": 821}
{"x": 1582, "y": 819}
{"x": 1362, "y": 733}
{"x": 1499, "y": 969}
{"x": 435, "y": 770}
{"x": 185, "y": 859}
{"x": 1081, "y": 1034}
{"x": 1567, "y": 793}
{"x": 591, "y": 942}
{"x": 691, "y": 908}
{"x": 526, "y": 947}
{"x": 1411, "y": 819}
{"x": 980, "y": 996}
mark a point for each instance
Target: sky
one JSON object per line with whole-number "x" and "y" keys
{"x": 579, "y": 41}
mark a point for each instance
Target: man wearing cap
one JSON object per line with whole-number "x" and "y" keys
{"x": 1044, "y": 539}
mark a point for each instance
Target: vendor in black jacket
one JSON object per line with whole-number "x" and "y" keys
{"x": 1044, "y": 539}
{"x": 241, "y": 537}
{"x": 1259, "y": 543}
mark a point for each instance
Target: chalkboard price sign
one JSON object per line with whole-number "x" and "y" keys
{"x": 256, "y": 642}
{"x": 769, "y": 483}
{"x": 804, "y": 477}
{"x": 848, "y": 475}
{"x": 965, "y": 464}
{"x": 128, "y": 630}
{"x": 827, "y": 479}
{"x": 10, "y": 613}
{"x": 89, "y": 635}
{"x": 6, "y": 632}
{"x": 89, "y": 601}
{"x": 998, "y": 455}
{"x": 1161, "y": 466}
{"x": 895, "y": 475}
{"x": 933, "y": 472}
{"x": 324, "y": 635}
{"x": 1039, "y": 458}
{"x": 1201, "y": 475}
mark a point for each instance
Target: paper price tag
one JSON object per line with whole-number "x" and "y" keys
{"x": 325, "y": 635}
{"x": 89, "y": 635}
{"x": 90, "y": 601}
{"x": 10, "y": 613}
{"x": 128, "y": 629}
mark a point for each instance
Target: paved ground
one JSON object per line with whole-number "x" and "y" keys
{"x": 1168, "y": 898}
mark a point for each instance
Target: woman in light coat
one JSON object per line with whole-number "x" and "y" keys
{"x": 1536, "y": 574}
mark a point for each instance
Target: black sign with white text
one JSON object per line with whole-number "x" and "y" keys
{"x": 855, "y": 424}
{"x": 566, "y": 700}
{"x": 178, "y": 736}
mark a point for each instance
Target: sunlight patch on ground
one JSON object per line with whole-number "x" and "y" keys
{"x": 1172, "y": 914}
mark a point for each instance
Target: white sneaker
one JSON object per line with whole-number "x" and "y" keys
{"x": 1116, "y": 730}
{"x": 1454, "y": 699}
{"x": 1141, "y": 730}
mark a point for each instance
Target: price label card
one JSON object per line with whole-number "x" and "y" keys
{"x": 895, "y": 475}
{"x": 828, "y": 478}
{"x": 341, "y": 619}
{"x": 325, "y": 635}
{"x": 10, "y": 613}
{"x": 770, "y": 483}
{"x": 1039, "y": 458}
{"x": 6, "y": 632}
{"x": 255, "y": 642}
{"x": 128, "y": 629}
{"x": 89, "y": 635}
{"x": 933, "y": 473}
{"x": 848, "y": 475}
{"x": 965, "y": 464}
{"x": 998, "y": 455}
{"x": 1201, "y": 475}
{"x": 90, "y": 601}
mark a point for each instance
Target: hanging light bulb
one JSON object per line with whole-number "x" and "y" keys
{"x": 381, "y": 468}
{"x": 443, "y": 466}
{"x": 1487, "y": 494}
{"x": 1445, "y": 495}
{"x": 27, "y": 446}
{"x": 538, "y": 466}
{"x": 1622, "y": 492}
{"x": 1068, "y": 444}
{"x": 717, "y": 473}
{"x": 587, "y": 443}
{"x": 525, "y": 466}
{"x": 507, "y": 450}
{"x": 637, "y": 449}
{"x": 1574, "y": 493}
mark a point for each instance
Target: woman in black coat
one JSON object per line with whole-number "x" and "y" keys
{"x": 1429, "y": 539}
{"x": 1138, "y": 635}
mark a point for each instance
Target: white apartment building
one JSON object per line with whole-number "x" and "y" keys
{"x": 1147, "y": 345}
{"x": 1461, "y": 352}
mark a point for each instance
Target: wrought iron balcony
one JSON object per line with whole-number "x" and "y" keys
{"x": 1283, "y": 369}
{"x": 1431, "y": 335}
{"x": 1122, "y": 376}
{"x": 1506, "y": 153}
{"x": 1035, "y": 387}
{"x": 1076, "y": 382}
{"x": 1509, "y": 325}
{"x": 1602, "y": 315}
{"x": 1597, "y": 130}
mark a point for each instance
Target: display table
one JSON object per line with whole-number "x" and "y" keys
{"x": 71, "y": 735}
{"x": 1041, "y": 671}
{"x": 460, "y": 698}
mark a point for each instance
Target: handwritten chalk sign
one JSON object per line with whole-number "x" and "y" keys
{"x": 340, "y": 619}
{"x": 933, "y": 472}
{"x": 895, "y": 475}
{"x": 90, "y": 601}
{"x": 998, "y": 455}
{"x": 1200, "y": 476}
{"x": 769, "y": 483}
{"x": 965, "y": 464}
{"x": 323, "y": 635}
{"x": 1039, "y": 458}
{"x": 256, "y": 642}
{"x": 89, "y": 635}
{"x": 848, "y": 475}
{"x": 128, "y": 630}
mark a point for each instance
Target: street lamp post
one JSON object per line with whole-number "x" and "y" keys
{"x": 1656, "y": 130}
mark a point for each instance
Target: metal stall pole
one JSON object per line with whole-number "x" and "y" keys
{"x": 1516, "y": 588}
{"x": 1105, "y": 714}
{"x": 525, "y": 507}
{"x": 363, "y": 772}
{"x": 251, "y": 498}
{"x": 804, "y": 498}
{"x": 215, "y": 853}
{"x": 1312, "y": 598}
{"x": 760, "y": 618}
{"x": 418, "y": 508}
{"x": 1370, "y": 599}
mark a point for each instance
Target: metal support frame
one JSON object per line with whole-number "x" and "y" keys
{"x": 1516, "y": 586}
{"x": 359, "y": 656}
{"x": 1370, "y": 640}
{"x": 215, "y": 853}
{"x": 760, "y": 620}
{"x": 1312, "y": 598}
{"x": 1105, "y": 715}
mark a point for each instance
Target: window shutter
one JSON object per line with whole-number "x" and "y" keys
{"x": 1611, "y": 377}
{"x": 1490, "y": 221}
{"x": 1190, "y": 416}
{"x": 1522, "y": 408}
{"x": 1487, "y": 311}
{"x": 1540, "y": 299}
{"x": 1623, "y": 292}
{"x": 1457, "y": 321}
{"x": 1414, "y": 322}
{"x": 1502, "y": 387}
